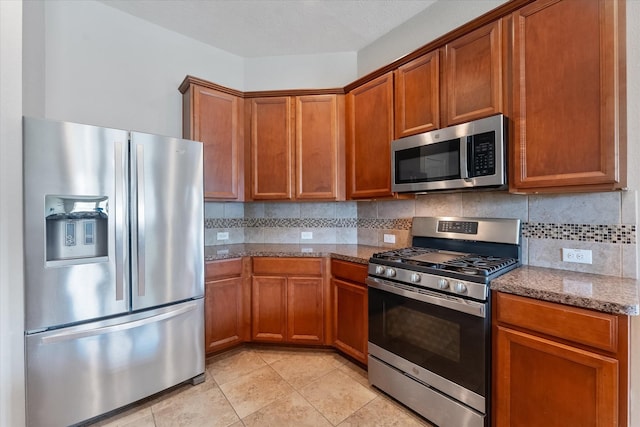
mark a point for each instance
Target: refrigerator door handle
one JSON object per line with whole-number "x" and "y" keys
{"x": 139, "y": 249}
{"x": 120, "y": 220}
{"x": 74, "y": 335}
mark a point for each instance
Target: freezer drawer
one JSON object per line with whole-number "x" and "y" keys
{"x": 77, "y": 373}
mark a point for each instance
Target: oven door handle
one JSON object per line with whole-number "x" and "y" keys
{"x": 466, "y": 306}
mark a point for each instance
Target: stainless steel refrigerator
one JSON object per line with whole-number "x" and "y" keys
{"x": 114, "y": 268}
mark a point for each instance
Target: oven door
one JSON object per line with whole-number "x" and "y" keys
{"x": 440, "y": 340}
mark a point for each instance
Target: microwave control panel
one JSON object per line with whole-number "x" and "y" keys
{"x": 481, "y": 149}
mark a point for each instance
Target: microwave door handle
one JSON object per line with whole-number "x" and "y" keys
{"x": 464, "y": 169}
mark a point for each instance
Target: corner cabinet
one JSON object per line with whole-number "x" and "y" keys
{"x": 569, "y": 106}
{"x": 369, "y": 135}
{"x": 555, "y": 365}
{"x": 216, "y": 118}
{"x": 272, "y": 148}
{"x": 227, "y": 310}
{"x": 288, "y": 300}
{"x": 297, "y": 145}
{"x": 350, "y": 309}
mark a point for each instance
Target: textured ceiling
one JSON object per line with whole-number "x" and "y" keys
{"x": 255, "y": 28}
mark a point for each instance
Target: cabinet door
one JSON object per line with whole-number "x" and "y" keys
{"x": 319, "y": 138}
{"x": 305, "y": 319}
{"x": 369, "y": 136}
{"x": 568, "y": 91}
{"x": 473, "y": 75}
{"x": 223, "y": 314}
{"x": 417, "y": 95}
{"x": 269, "y": 305}
{"x": 216, "y": 120}
{"x": 351, "y": 319}
{"x": 544, "y": 383}
{"x": 271, "y": 148}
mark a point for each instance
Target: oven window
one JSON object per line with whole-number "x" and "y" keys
{"x": 448, "y": 343}
{"x": 434, "y": 162}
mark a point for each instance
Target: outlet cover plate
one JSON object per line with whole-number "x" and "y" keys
{"x": 389, "y": 238}
{"x": 223, "y": 235}
{"x": 306, "y": 235}
{"x": 581, "y": 256}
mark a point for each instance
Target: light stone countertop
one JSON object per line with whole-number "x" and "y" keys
{"x": 597, "y": 292}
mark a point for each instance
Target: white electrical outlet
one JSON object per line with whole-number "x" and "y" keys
{"x": 582, "y": 256}
{"x": 389, "y": 238}
{"x": 223, "y": 235}
{"x": 306, "y": 235}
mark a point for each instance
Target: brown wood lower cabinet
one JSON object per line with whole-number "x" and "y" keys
{"x": 350, "y": 324}
{"x": 555, "y": 365}
{"x": 288, "y": 300}
{"x": 227, "y": 309}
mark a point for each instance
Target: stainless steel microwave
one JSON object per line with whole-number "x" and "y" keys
{"x": 463, "y": 156}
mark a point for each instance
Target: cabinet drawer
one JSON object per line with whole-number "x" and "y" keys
{"x": 287, "y": 266}
{"x": 349, "y": 271}
{"x": 582, "y": 326}
{"x": 225, "y": 268}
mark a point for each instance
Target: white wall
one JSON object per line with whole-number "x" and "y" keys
{"x": 300, "y": 72}
{"x": 107, "y": 68}
{"x": 433, "y": 22}
{"x": 11, "y": 276}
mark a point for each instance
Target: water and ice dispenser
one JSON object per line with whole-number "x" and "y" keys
{"x": 77, "y": 228}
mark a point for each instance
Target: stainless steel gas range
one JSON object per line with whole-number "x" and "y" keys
{"x": 429, "y": 316}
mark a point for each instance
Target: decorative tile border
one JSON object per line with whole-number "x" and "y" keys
{"x": 281, "y": 222}
{"x": 618, "y": 233}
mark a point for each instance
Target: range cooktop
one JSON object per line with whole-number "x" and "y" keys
{"x": 437, "y": 261}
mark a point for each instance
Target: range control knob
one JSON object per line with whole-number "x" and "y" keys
{"x": 390, "y": 272}
{"x": 415, "y": 277}
{"x": 443, "y": 284}
{"x": 379, "y": 269}
{"x": 460, "y": 288}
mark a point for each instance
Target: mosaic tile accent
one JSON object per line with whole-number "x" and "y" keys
{"x": 395, "y": 224}
{"x": 281, "y": 222}
{"x": 619, "y": 233}
{"x": 598, "y": 233}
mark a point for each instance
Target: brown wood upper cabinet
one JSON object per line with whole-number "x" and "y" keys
{"x": 568, "y": 96}
{"x": 473, "y": 75}
{"x": 297, "y": 146}
{"x": 459, "y": 82}
{"x": 216, "y": 118}
{"x": 369, "y": 136}
{"x": 272, "y": 148}
{"x": 417, "y": 95}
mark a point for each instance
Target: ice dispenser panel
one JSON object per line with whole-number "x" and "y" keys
{"x": 76, "y": 227}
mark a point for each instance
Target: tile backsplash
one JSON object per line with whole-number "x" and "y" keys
{"x": 602, "y": 222}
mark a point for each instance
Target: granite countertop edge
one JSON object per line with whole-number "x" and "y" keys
{"x": 359, "y": 254}
{"x": 609, "y": 294}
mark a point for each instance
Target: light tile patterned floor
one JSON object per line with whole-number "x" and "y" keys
{"x": 272, "y": 386}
